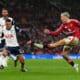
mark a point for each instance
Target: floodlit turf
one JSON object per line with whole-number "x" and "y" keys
{"x": 41, "y": 70}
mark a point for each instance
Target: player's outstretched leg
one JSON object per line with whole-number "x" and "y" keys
{"x": 52, "y": 45}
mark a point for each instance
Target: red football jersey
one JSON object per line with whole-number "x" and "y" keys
{"x": 72, "y": 26}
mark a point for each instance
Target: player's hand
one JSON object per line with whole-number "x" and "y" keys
{"x": 29, "y": 42}
{"x": 46, "y": 31}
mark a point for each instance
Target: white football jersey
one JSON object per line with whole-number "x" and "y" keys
{"x": 10, "y": 37}
{"x": 2, "y": 25}
{"x": 0, "y": 33}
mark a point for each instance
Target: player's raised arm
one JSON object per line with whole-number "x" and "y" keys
{"x": 25, "y": 35}
{"x": 58, "y": 31}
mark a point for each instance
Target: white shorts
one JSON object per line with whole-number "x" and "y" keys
{"x": 70, "y": 42}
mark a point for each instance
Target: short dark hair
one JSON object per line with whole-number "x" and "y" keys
{"x": 8, "y": 20}
{"x": 4, "y": 9}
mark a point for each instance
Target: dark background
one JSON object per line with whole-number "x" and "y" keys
{"x": 33, "y": 16}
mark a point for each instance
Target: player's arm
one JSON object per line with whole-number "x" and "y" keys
{"x": 58, "y": 31}
{"x": 28, "y": 40}
{"x": 77, "y": 22}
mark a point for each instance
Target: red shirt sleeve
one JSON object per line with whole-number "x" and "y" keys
{"x": 76, "y": 22}
{"x": 58, "y": 31}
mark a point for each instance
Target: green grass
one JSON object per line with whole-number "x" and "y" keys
{"x": 41, "y": 70}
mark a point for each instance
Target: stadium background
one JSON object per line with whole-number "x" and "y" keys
{"x": 33, "y": 17}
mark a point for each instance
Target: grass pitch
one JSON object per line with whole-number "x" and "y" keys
{"x": 41, "y": 70}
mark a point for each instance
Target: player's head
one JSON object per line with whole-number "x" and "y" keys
{"x": 65, "y": 17}
{"x": 4, "y": 12}
{"x": 8, "y": 24}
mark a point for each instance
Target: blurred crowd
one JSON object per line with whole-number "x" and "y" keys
{"x": 33, "y": 17}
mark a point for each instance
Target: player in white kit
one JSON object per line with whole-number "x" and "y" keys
{"x": 5, "y": 15}
{"x": 11, "y": 42}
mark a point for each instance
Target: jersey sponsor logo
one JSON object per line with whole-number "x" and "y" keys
{"x": 9, "y": 36}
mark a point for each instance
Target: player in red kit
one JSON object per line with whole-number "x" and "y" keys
{"x": 72, "y": 27}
